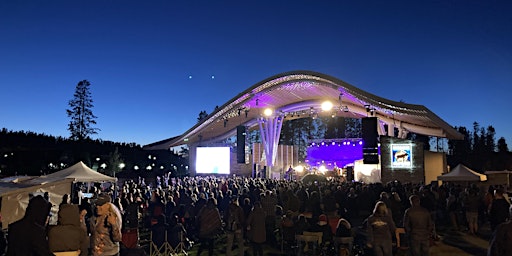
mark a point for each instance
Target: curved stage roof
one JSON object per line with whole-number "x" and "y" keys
{"x": 298, "y": 94}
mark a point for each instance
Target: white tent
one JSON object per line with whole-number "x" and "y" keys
{"x": 462, "y": 173}
{"x": 79, "y": 172}
{"x": 15, "y": 195}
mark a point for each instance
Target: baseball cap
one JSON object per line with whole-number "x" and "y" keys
{"x": 103, "y": 199}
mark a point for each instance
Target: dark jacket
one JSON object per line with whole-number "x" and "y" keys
{"x": 27, "y": 236}
{"x": 210, "y": 223}
{"x": 499, "y": 212}
{"x": 256, "y": 225}
{"x": 417, "y": 223}
{"x": 68, "y": 235}
{"x": 234, "y": 218}
{"x": 500, "y": 241}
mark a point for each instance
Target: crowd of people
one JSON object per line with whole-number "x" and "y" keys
{"x": 250, "y": 213}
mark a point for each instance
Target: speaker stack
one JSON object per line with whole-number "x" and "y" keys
{"x": 240, "y": 144}
{"x": 370, "y": 140}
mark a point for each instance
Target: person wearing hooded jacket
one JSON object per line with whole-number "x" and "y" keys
{"x": 27, "y": 237}
{"x": 106, "y": 228}
{"x": 68, "y": 235}
{"x": 381, "y": 229}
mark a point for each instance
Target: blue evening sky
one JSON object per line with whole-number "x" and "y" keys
{"x": 453, "y": 56}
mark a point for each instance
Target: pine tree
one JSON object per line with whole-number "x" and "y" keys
{"x": 80, "y": 112}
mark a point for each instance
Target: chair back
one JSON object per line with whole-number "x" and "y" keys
{"x": 68, "y": 253}
{"x": 317, "y": 234}
{"x": 398, "y": 233}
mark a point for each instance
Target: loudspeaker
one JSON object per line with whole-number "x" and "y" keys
{"x": 370, "y": 140}
{"x": 255, "y": 168}
{"x": 350, "y": 173}
{"x": 369, "y": 132}
{"x": 263, "y": 172}
{"x": 240, "y": 144}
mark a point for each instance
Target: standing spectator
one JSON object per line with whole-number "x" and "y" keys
{"x": 395, "y": 204}
{"x": 256, "y": 228}
{"x": 234, "y": 219}
{"x": 501, "y": 239}
{"x": 268, "y": 203}
{"x": 452, "y": 208}
{"x": 352, "y": 205}
{"x": 28, "y": 235}
{"x": 106, "y": 228}
{"x": 419, "y": 226}
{"x": 65, "y": 199}
{"x": 498, "y": 211}
{"x": 381, "y": 230}
{"x": 68, "y": 235}
{"x": 472, "y": 204}
{"x": 84, "y": 222}
{"x": 210, "y": 225}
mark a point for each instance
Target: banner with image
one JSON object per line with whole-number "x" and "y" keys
{"x": 401, "y": 155}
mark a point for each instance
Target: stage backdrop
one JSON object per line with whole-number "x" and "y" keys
{"x": 286, "y": 156}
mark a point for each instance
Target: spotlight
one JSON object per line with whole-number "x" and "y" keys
{"x": 326, "y": 105}
{"x": 257, "y": 102}
{"x": 345, "y": 108}
{"x": 268, "y": 112}
{"x": 367, "y": 107}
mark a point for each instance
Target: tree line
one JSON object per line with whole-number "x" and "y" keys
{"x": 28, "y": 153}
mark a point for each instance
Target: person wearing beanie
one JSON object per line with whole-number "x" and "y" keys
{"x": 68, "y": 235}
{"x": 28, "y": 235}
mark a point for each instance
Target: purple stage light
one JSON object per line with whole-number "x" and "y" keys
{"x": 336, "y": 156}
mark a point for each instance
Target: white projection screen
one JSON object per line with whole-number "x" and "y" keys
{"x": 212, "y": 160}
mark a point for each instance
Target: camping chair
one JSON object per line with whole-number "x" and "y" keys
{"x": 180, "y": 249}
{"x": 163, "y": 249}
{"x": 68, "y": 253}
{"x": 318, "y": 234}
{"x": 400, "y": 247}
{"x": 307, "y": 239}
{"x": 346, "y": 242}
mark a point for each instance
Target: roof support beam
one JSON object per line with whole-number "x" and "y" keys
{"x": 270, "y": 129}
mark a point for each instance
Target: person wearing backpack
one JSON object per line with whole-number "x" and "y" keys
{"x": 234, "y": 219}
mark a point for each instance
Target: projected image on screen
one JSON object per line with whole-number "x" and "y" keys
{"x": 401, "y": 155}
{"x": 213, "y": 160}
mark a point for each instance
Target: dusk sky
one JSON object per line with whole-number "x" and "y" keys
{"x": 154, "y": 65}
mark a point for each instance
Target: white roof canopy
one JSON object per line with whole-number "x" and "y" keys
{"x": 299, "y": 93}
{"x": 462, "y": 173}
